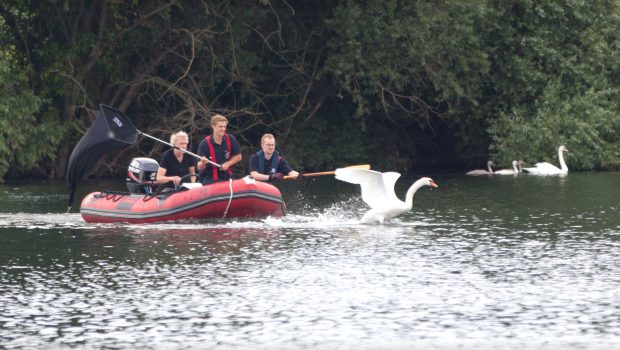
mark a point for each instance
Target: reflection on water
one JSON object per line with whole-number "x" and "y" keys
{"x": 510, "y": 262}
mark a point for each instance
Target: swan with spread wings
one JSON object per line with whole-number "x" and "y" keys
{"x": 378, "y": 192}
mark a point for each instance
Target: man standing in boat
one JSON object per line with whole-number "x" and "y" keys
{"x": 221, "y": 148}
{"x": 175, "y": 163}
{"x": 267, "y": 164}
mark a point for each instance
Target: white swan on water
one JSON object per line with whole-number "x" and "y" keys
{"x": 378, "y": 192}
{"x": 548, "y": 168}
{"x": 489, "y": 170}
{"x": 516, "y": 169}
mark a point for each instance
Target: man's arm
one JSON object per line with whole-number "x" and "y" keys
{"x": 203, "y": 150}
{"x": 254, "y": 169}
{"x": 202, "y": 164}
{"x": 161, "y": 177}
{"x": 232, "y": 161}
{"x": 192, "y": 170}
{"x": 285, "y": 168}
{"x": 258, "y": 176}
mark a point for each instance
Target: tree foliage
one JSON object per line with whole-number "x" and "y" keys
{"x": 28, "y": 132}
{"x": 396, "y": 83}
{"x": 569, "y": 71}
{"x": 588, "y": 124}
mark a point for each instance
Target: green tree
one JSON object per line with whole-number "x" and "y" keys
{"x": 412, "y": 69}
{"x": 556, "y": 83}
{"x": 399, "y": 84}
{"x": 28, "y": 133}
{"x": 589, "y": 125}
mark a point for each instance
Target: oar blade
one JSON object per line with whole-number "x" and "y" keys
{"x": 361, "y": 166}
{"x": 332, "y": 172}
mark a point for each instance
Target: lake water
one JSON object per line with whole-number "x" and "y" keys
{"x": 520, "y": 262}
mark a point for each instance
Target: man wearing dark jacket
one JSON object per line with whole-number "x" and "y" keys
{"x": 267, "y": 164}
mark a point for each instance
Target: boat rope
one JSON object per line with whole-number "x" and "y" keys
{"x": 229, "y": 199}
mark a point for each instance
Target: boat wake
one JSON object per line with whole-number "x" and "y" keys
{"x": 42, "y": 221}
{"x": 344, "y": 214}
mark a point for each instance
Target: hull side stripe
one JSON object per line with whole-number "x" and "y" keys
{"x": 178, "y": 209}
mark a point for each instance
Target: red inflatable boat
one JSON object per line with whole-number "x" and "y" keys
{"x": 242, "y": 198}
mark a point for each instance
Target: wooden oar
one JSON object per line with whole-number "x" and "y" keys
{"x": 322, "y": 173}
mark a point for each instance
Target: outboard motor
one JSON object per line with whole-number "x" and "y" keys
{"x": 141, "y": 175}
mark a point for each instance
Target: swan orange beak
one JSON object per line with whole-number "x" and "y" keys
{"x": 433, "y": 184}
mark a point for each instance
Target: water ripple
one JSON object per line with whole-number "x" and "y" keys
{"x": 454, "y": 273}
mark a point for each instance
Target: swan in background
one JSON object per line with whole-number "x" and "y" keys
{"x": 548, "y": 168}
{"x": 516, "y": 169}
{"x": 378, "y": 192}
{"x": 489, "y": 170}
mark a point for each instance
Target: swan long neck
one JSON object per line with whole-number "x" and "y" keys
{"x": 412, "y": 190}
{"x": 562, "y": 163}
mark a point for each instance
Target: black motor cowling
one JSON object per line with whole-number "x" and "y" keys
{"x": 141, "y": 175}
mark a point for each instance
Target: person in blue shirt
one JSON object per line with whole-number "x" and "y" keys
{"x": 267, "y": 164}
{"x": 221, "y": 148}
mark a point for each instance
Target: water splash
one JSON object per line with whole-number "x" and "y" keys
{"x": 340, "y": 214}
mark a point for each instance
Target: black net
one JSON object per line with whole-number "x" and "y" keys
{"x": 111, "y": 130}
